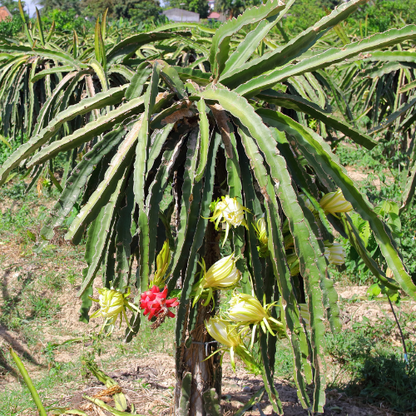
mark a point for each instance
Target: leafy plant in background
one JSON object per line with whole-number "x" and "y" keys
{"x": 180, "y": 120}
{"x": 377, "y": 371}
{"x": 10, "y": 28}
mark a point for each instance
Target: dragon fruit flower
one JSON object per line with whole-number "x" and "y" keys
{"x": 223, "y": 274}
{"x": 227, "y": 334}
{"x": 335, "y": 253}
{"x": 229, "y": 211}
{"x": 155, "y": 304}
{"x": 246, "y": 309}
{"x": 223, "y": 332}
{"x": 334, "y": 202}
{"x": 113, "y": 304}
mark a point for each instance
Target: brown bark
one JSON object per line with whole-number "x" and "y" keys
{"x": 197, "y": 375}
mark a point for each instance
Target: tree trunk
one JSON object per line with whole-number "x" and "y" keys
{"x": 198, "y": 380}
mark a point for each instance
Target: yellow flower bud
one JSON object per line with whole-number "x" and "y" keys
{"x": 162, "y": 264}
{"x": 226, "y": 334}
{"x": 223, "y": 332}
{"x": 247, "y": 309}
{"x": 261, "y": 230}
{"x": 334, "y": 202}
{"x": 112, "y": 303}
{"x": 335, "y": 253}
{"x": 222, "y": 274}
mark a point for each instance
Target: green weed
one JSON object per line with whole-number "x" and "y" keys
{"x": 376, "y": 370}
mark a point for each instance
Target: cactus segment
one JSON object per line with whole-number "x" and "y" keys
{"x": 319, "y": 155}
{"x": 114, "y": 95}
{"x": 203, "y": 140}
{"x": 98, "y": 237}
{"x": 78, "y": 179}
{"x": 201, "y": 223}
{"x": 268, "y": 377}
{"x": 142, "y": 149}
{"x": 195, "y": 75}
{"x": 256, "y": 266}
{"x": 221, "y": 41}
{"x": 330, "y": 57}
{"x": 293, "y": 49}
{"x": 89, "y": 131}
{"x": 248, "y": 46}
{"x": 45, "y": 53}
{"x": 235, "y": 190}
{"x": 112, "y": 175}
{"x": 409, "y": 189}
{"x": 124, "y": 238}
{"x": 171, "y": 77}
{"x": 300, "y": 104}
{"x": 125, "y": 72}
{"x": 188, "y": 210}
{"x": 303, "y": 370}
{"x": 155, "y": 195}
{"x": 50, "y": 71}
{"x": 138, "y": 80}
{"x": 157, "y": 140}
{"x": 101, "y": 74}
{"x": 357, "y": 242}
{"x": 122, "y": 50}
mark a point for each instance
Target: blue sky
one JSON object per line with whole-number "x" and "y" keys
{"x": 31, "y": 4}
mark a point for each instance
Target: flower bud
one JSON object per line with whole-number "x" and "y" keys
{"x": 334, "y": 202}
{"x": 222, "y": 274}
{"x": 162, "y": 264}
{"x": 113, "y": 304}
{"x": 246, "y": 309}
{"x": 223, "y": 332}
{"x": 261, "y": 231}
{"x": 335, "y": 253}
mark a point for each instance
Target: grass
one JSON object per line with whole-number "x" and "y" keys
{"x": 369, "y": 365}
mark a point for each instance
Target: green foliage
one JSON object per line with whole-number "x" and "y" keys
{"x": 197, "y": 6}
{"x": 233, "y": 8}
{"x": 382, "y": 15}
{"x": 302, "y": 14}
{"x": 138, "y": 11}
{"x": 377, "y": 371}
{"x": 13, "y": 6}
{"x": 10, "y": 28}
{"x": 66, "y": 20}
{"x": 61, "y": 5}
